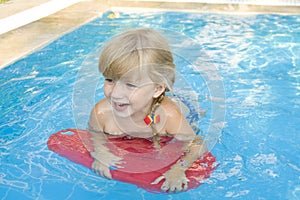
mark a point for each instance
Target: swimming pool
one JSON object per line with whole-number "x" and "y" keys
{"x": 257, "y": 62}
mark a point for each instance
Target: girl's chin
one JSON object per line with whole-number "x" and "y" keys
{"x": 121, "y": 112}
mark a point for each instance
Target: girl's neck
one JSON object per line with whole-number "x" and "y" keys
{"x": 138, "y": 117}
{"x": 136, "y": 121}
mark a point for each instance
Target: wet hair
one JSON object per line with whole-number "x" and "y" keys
{"x": 138, "y": 49}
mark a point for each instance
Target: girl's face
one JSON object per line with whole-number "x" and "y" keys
{"x": 132, "y": 95}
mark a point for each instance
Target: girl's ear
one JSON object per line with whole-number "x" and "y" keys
{"x": 159, "y": 90}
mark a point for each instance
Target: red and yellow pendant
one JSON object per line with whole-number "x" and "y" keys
{"x": 149, "y": 119}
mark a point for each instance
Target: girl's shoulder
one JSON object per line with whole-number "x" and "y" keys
{"x": 99, "y": 115}
{"x": 175, "y": 121}
{"x": 170, "y": 107}
{"x": 103, "y": 110}
{"x": 102, "y": 105}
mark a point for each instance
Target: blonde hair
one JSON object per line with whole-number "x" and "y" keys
{"x": 143, "y": 49}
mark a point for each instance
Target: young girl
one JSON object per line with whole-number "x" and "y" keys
{"x": 138, "y": 69}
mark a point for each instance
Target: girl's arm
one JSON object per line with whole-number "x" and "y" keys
{"x": 103, "y": 158}
{"x": 193, "y": 148}
{"x": 175, "y": 177}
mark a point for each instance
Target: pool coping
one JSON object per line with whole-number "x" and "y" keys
{"x": 21, "y": 41}
{"x": 17, "y": 14}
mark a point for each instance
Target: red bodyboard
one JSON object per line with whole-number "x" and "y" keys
{"x": 143, "y": 163}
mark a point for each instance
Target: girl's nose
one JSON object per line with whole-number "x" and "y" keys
{"x": 118, "y": 91}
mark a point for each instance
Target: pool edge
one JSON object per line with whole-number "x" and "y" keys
{"x": 22, "y": 41}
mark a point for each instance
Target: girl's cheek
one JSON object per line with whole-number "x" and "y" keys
{"x": 107, "y": 91}
{"x": 131, "y": 92}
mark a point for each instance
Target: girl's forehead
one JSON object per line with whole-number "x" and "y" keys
{"x": 136, "y": 75}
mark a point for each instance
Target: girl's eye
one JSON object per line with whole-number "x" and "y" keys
{"x": 109, "y": 80}
{"x": 131, "y": 85}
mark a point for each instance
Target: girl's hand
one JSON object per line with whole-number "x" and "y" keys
{"x": 175, "y": 180}
{"x": 101, "y": 169}
{"x": 107, "y": 158}
{"x": 104, "y": 161}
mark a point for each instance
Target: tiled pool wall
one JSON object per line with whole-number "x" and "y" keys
{"x": 250, "y": 2}
{"x": 276, "y": 6}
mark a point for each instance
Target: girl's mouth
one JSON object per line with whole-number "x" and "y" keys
{"x": 120, "y": 106}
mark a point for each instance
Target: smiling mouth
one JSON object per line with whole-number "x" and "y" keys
{"x": 120, "y": 106}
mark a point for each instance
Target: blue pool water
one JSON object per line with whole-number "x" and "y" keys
{"x": 242, "y": 70}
